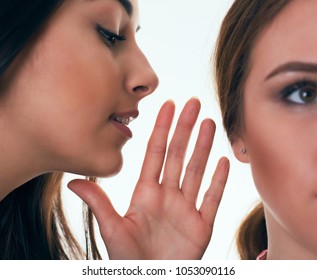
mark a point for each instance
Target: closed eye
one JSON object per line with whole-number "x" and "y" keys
{"x": 109, "y": 37}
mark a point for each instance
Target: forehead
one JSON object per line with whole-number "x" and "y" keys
{"x": 129, "y": 6}
{"x": 291, "y": 36}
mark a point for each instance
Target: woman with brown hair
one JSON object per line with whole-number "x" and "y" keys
{"x": 71, "y": 79}
{"x": 266, "y": 74}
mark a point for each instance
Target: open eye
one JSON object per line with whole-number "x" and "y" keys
{"x": 108, "y": 37}
{"x": 304, "y": 92}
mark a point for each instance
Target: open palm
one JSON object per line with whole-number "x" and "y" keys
{"x": 162, "y": 221}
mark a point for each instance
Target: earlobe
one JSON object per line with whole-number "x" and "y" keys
{"x": 240, "y": 150}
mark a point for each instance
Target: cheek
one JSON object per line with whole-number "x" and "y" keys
{"x": 68, "y": 105}
{"x": 283, "y": 157}
{"x": 75, "y": 86}
{"x": 272, "y": 149}
{"x": 267, "y": 160}
{"x": 83, "y": 76}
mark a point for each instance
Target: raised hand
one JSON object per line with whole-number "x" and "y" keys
{"x": 162, "y": 221}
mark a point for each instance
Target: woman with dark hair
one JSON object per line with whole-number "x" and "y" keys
{"x": 71, "y": 78}
{"x": 266, "y": 76}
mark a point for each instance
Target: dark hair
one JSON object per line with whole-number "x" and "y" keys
{"x": 32, "y": 221}
{"x": 239, "y": 31}
{"x": 19, "y": 22}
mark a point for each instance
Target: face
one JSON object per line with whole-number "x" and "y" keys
{"x": 280, "y": 129}
{"x": 74, "y": 89}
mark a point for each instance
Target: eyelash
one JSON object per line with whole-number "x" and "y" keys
{"x": 108, "y": 37}
{"x": 295, "y": 93}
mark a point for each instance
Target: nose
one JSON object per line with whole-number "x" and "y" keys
{"x": 141, "y": 78}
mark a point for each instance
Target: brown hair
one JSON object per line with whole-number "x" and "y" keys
{"x": 33, "y": 224}
{"x": 239, "y": 30}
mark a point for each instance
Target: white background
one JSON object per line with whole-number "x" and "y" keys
{"x": 178, "y": 37}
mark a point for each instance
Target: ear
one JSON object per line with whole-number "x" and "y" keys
{"x": 240, "y": 150}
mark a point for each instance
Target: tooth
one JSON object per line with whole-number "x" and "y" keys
{"x": 124, "y": 120}
{"x": 130, "y": 119}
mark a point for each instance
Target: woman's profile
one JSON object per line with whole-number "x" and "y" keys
{"x": 71, "y": 79}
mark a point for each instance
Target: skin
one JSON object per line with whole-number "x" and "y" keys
{"x": 60, "y": 93}
{"x": 280, "y": 133}
{"x": 49, "y": 89}
{"x": 162, "y": 221}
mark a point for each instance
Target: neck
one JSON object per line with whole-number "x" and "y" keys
{"x": 19, "y": 162}
{"x": 15, "y": 172}
{"x": 286, "y": 245}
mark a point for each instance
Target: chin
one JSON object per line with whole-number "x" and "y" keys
{"x": 96, "y": 165}
{"x": 110, "y": 173}
{"x": 105, "y": 169}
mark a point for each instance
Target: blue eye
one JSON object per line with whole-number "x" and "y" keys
{"x": 303, "y": 93}
{"x": 108, "y": 37}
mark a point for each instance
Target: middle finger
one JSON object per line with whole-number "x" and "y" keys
{"x": 178, "y": 145}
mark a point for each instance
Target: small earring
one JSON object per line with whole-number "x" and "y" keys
{"x": 243, "y": 151}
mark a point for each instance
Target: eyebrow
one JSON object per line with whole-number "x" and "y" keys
{"x": 295, "y": 66}
{"x": 127, "y": 6}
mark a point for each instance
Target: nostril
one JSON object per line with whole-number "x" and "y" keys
{"x": 141, "y": 89}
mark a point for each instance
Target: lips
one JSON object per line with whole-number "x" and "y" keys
{"x": 122, "y": 120}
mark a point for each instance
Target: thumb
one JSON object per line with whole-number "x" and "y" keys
{"x": 98, "y": 201}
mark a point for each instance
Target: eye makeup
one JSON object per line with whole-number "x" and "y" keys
{"x": 302, "y": 92}
{"x": 109, "y": 37}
